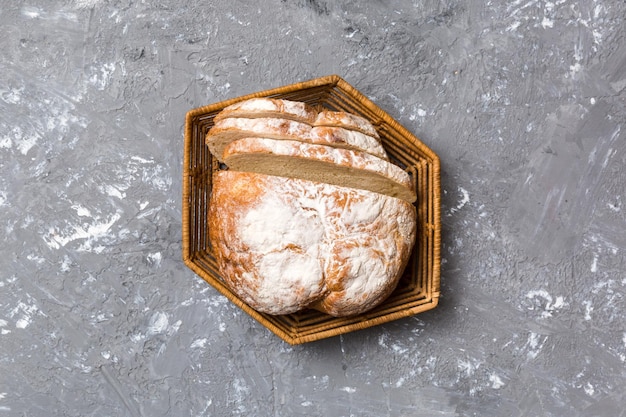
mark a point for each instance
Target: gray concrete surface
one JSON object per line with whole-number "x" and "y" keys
{"x": 524, "y": 101}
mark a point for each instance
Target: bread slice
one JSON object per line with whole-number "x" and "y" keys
{"x": 270, "y": 107}
{"x": 327, "y": 164}
{"x": 230, "y": 129}
{"x": 349, "y": 139}
{"x": 347, "y": 121}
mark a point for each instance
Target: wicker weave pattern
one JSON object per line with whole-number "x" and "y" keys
{"x": 418, "y": 289}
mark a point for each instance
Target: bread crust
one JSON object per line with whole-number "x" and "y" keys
{"x": 349, "y": 139}
{"x": 283, "y": 246}
{"x": 347, "y": 121}
{"x": 270, "y": 107}
{"x": 309, "y": 212}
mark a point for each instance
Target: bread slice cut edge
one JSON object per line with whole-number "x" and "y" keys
{"x": 258, "y": 155}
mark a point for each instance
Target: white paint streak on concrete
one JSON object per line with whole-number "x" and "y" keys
{"x": 465, "y": 198}
{"x": 154, "y": 258}
{"x": 241, "y": 390}
{"x": 496, "y": 381}
{"x": 551, "y": 305}
{"x": 25, "y": 312}
{"x": 35, "y": 258}
{"x": 86, "y": 4}
{"x": 141, "y": 160}
{"x": 468, "y": 367}
{"x": 27, "y": 142}
{"x": 101, "y": 76}
{"x": 547, "y": 23}
{"x": 199, "y": 343}
{"x": 588, "y": 309}
{"x": 534, "y": 344}
{"x": 31, "y": 12}
{"x": 6, "y": 142}
{"x": 158, "y": 323}
{"x": 81, "y": 211}
{"x": 513, "y": 26}
{"x": 90, "y": 233}
{"x": 116, "y": 191}
{"x": 594, "y": 263}
{"x": 614, "y": 207}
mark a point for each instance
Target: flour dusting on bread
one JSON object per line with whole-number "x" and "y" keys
{"x": 301, "y": 217}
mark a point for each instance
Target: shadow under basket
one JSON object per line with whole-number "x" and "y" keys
{"x": 417, "y": 290}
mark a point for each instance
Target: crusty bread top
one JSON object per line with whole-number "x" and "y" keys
{"x": 309, "y": 213}
{"x": 320, "y": 163}
{"x": 347, "y": 121}
{"x": 270, "y": 107}
{"x": 285, "y": 245}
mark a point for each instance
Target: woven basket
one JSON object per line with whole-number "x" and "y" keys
{"x": 418, "y": 289}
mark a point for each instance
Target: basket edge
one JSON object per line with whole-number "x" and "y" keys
{"x": 365, "y": 324}
{"x": 333, "y": 80}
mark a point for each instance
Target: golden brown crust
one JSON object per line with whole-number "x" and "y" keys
{"x": 285, "y": 245}
{"x": 347, "y": 121}
{"x": 307, "y": 217}
{"x": 349, "y": 139}
{"x": 270, "y": 107}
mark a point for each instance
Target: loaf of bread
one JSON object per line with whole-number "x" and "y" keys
{"x": 285, "y": 245}
{"x": 309, "y": 211}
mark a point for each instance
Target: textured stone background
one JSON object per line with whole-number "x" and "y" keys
{"x": 524, "y": 101}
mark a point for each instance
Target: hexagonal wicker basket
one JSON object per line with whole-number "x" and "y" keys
{"x": 418, "y": 289}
